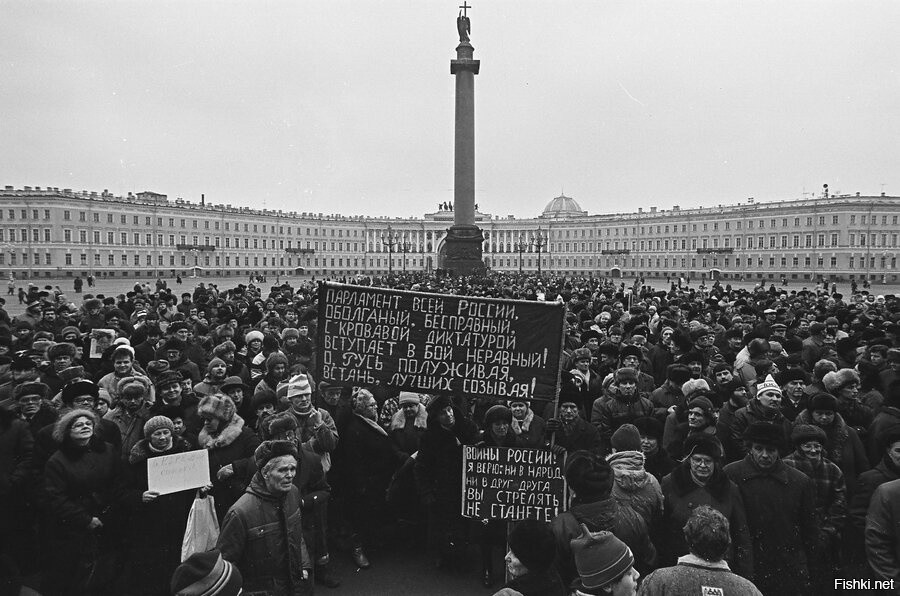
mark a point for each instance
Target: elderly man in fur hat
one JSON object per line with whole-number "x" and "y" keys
{"x": 61, "y": 357}
{"x": 262, "y": 532}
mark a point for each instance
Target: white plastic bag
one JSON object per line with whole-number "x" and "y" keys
{"x": 202, "y": 530}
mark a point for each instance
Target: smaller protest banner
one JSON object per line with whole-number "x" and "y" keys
{"x": 101, "y": 340}
{"x": 512, "y": 483}
{"x": 180, "y": 471}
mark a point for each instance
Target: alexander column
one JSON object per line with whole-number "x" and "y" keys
{"x": 464, "y": 241}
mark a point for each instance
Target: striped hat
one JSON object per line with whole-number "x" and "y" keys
{"x": 768, "y": 385}
{"x": 207, "y": 574}
{"x": 600, "y": 558}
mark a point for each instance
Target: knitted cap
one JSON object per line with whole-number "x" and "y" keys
{"x": 206, "y": 574}
{"x": 533, "y": 544}
{"x": 600, "y": 558}
{"x": 768, "y": 385}
{"x": 626, "y": 438}
{"x": 156, "y": 423}
{"x": 297, "y": 385}
{"x": 803, "y": 433}
{"x": 214, "y": 362}
{"x": 271, "y": 449}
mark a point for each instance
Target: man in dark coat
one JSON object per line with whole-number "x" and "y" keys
{"x": 780, "y": 506}
{"x": 438, "y": 472}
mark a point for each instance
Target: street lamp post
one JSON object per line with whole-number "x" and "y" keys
{"x": 539, "y": 241}
{"x": 520, "y": 247}
{"x": 404, "y": 248}
{"x": 390, "y": 239}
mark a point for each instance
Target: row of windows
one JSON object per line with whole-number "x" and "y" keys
{"x": 703, "y": 262}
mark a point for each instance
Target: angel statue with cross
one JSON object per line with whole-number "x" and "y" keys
{"x": 462, "y": 24}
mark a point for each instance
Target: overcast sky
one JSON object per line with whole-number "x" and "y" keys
{"x": 341, "y": 106}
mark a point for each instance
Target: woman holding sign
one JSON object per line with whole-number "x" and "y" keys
{"x": 158, "y": 524}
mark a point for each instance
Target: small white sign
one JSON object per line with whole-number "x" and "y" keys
{"x": 180, "y": 471}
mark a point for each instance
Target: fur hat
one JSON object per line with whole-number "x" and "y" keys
{"x": 65, "y": 422}
{"x": 71, "y": 373}
{"x": 61, "y": 349}
{"x": 156, "y": 423}
{"x": 630, "y": 350}
{"x": 625, "y": 374}
{"x": 768, "y": 385}
{"x": 206, "y": 574}
{"x": 173, "y": 343}
{"x": 69, "y": 331}
{"x": 31, "y": 388}
{"x": 649, "y": 427}
{"x": 133, "y": 384}
{"x": 580, "y": 354}
{"x": 835, "y": 381}
{"x": 78, "y": 387}
{"x": 274, "y": 359}
{"x": 626, "y": 438}
{"x": 703, "y": 444}
{"x": 600, "y": 559}
{"x": 498, "y": 413}
{"x": 256, "y": 334}
{"x": 679, "y": 374}
{"x": 823, "y": 402}
{"x": 792, "y": 374}
{"x": 693, "y": 386}
{"x": 533, "y": 544}
{"x": 276, "y": 424}
{"x": 438, "y": 405}
{"x": 803, "y": 433}
{"x": 218, "y": 406}
{"x": 260, "y": 398}
{"x": 765, "y": 433}
{"x": 289, "y": 332}
{"x": 589, "y": 475}
{"x": 268, "y": 450}
{"x": 156, "y": 368}
{"x": 224, "y": 347}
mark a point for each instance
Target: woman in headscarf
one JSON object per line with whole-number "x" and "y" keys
{"x": 230, "y": 443}
{"x": 85, "y": 494}
{"x": 158, "y": 524}
{"x": 699, "y": 480}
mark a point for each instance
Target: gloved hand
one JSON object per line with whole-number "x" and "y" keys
{"x": 553, "y": 425}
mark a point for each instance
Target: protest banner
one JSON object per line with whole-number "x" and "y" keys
{"x": 437, "y": 343}
{"x": 512, "y": 483}
{"x": 180, "y": 471}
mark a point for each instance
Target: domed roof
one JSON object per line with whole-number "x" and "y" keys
{"x": 562, "y": 207}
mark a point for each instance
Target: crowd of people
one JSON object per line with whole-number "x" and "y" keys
{"x": 742, "y": 440}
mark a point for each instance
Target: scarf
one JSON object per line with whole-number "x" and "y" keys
{"x": 520, "y": 426}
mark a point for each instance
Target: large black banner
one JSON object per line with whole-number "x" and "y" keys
{"x": 437, "y": 343}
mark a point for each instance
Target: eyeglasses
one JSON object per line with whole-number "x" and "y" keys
{"x": 703, "y": 462}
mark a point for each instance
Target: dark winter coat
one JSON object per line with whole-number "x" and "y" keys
{"x": 780, "y": 507}
{"x": 606, "y": 514}
{"x": 546, "y": 583}
{"x": 579, "y": 435}
{"x": 157, "y": 528}
{"x": 16, "y": 471}
{"x": 262, "y": 534}
{"x": 882, "y": 523}
{"x": 367, "y": 459}
{"x": 682, "y": 495}
{"x": 866, "y": 484}
{"x": 609, "y": 414}
{"x": 234, "y": 445}
{"x": 659, "y": 464}
{"x": 887, "y": 416}
{"x": 754, "y": 412}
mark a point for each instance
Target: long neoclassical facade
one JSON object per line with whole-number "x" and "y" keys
{"x": 52, "y": 233}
